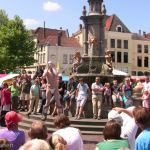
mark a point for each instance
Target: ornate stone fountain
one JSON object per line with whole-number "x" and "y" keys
{"x": 95, "y": 61}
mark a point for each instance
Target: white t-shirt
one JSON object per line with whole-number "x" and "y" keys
{"x": 82, "y": 89}
{"x": 72, "y": 137}
{"x": 129, "y": 129}
{"x": 146, "y": 86}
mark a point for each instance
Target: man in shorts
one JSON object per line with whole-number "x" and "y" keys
{"x": 82, "y": 93}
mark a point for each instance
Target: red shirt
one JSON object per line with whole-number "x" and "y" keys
{"x": 6, "y": 97}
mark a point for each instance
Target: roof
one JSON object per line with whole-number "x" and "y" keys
{"x": 147, "y": 36}
{"x": 108, "y": 22}
{"x": 65, "y": 41}
{"x": 136, "y": 36}
{"x": 47, "y": 36}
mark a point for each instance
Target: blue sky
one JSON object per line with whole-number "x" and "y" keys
{"x": 66, "y": 13}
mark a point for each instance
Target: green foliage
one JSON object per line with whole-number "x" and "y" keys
{"x": 16, "y": 43}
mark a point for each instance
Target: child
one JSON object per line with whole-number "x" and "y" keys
{"x": 146, "y": 99}
{"x": 107, "y": 94}
{"x": 116, "y": 97}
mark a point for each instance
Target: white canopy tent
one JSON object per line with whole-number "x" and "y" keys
{"x": 118, "y": 72}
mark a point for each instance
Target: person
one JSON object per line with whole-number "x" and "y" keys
{"x": 38, "y": 73}
{"x": 5, "y": 102}
{"x": 107, "y": 94}
{"x": 146, "y": 99}
{"x": 35, "y": 144}
{"x": 38, "y": 130}
{"x": 116, "y": 96}
{"x": 129, "y": 127}
{"x": 4, "y": 144}
{"x": 70, "y": 93}
{"x": 25, "y": 92}
{"x": 142, "y": 118}
{"x": 34, "y": 93}
{"x": 146, "y": 84}
{"x": 11, "y": 133}
{"x": 97, "y": 91}
{"x": 43, "y": 95}
{"x": 52, "y": 89}
{"x": 127, "y": 93}
{"x": 57, "y": 142}
{"x": 70, "y": 134}
{"x": 14, "y": 89}
{"x": 61, "y": 88}
{"x": 81, "y": 93}
{"x": 113, "y": 141}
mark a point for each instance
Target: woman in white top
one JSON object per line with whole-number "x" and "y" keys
{"x": 69, "y": 134}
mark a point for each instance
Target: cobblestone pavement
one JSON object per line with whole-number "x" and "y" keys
{"x": 90, "y": 141}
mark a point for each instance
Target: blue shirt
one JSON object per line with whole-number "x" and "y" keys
{"x": 143, "y": 140}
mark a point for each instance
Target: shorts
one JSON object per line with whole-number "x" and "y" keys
{"x": 24, "y": 96}
{"x": 81, "y": 100}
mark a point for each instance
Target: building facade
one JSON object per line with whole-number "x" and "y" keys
{"x": 130, "y": 51}
{"x": 56, "y": 46}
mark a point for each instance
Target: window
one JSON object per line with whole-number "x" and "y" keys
{"x": 125, "y": 57}
{"x": 139, "y": 48}
{"x": 112, "y": 41}
{"x": 146, "y": 62}
{"x": 139, "y": 61}
{"x": 118, "y": 43}
{"x": 145, "y": 48}
{"x": 65, "y": 58}
{"x": 41, "y": 58}
{"x": 119, "y": 57}
{"x": 44, "y": 58}
{"x": 125, "y": 44}
{"x": 41, "y": 48}
{"x": 133, "y": 73}
{"x": 113, "y": 56}
{"x": 119, "y": 28}
{"x": 71, "y": 58}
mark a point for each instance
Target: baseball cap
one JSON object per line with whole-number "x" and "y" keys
{"x": 12, "y": 117}
{"x": 113, "y": 114}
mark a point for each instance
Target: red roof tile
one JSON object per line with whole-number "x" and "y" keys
{"x": 147, "y": 36}
{"x": 65, "y": 41}
{"x": 108, "y": 22}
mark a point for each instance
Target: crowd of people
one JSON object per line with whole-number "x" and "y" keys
{"x": 46, "y": 93}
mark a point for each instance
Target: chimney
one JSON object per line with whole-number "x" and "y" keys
{"x": 144, "y": 34}
{"x": 59, "y": 36}
{"x": 44, "y": 31}
{"x": 139, "y": 32}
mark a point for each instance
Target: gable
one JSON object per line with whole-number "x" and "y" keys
{"x": 116, "y": 23}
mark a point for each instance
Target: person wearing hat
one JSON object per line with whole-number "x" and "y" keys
{"x": 51, "y": 76}
{"x": 11, "y": 133}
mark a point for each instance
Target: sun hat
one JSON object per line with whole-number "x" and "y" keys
{"x": 12, "y": 117}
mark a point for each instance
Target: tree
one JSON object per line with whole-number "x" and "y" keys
{"x": 17, "y": 47}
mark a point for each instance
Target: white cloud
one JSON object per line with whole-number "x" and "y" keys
{"x": 51, "y": 6}
{"x": 31, "y": 23}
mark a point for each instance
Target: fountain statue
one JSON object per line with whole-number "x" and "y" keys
{"x": 95, "y": 61}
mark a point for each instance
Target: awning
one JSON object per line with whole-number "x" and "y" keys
{"x": 118, "y": 72}
{"x": 4, "y": 77}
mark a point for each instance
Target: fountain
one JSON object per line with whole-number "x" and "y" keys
{"x": 94, "y": 59}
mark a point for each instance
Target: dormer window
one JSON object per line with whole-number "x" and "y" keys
{"x": 119, "y": 28}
